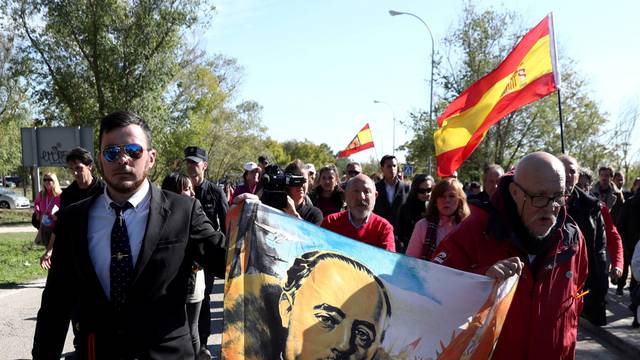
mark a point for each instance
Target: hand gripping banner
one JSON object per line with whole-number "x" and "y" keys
{"x": 297, "y": 291}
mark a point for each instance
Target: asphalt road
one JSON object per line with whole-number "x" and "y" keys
{"x": 19, "y": 306}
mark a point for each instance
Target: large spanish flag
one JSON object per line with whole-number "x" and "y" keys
{"x": 527, "y": 74}
{"x": 363, "y": 140}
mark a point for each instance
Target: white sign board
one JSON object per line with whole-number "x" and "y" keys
{"x": 49, "y": 146}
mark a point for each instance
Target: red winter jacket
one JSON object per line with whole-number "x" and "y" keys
{"x": 542, "y": 321}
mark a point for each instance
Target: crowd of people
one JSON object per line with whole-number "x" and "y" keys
{"x": 133, "y": 266}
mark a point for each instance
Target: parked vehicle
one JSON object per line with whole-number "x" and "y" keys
{"x": 11, "y": 200}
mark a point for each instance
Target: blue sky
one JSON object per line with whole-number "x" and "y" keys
{"x": 317, "y": 66}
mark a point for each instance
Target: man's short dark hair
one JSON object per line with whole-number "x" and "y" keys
{"x": 175, "y": 182}
{"x": 617, "y": 174}
{"x": 586, "y": 172}
{"x": 263, "y": 159}
{"x": 120, "y": 119}
{"x": 474, "y": 185}
{"x": 605, "y": 168}
{"x": 296, "y": 167}
{"x": 81, "y": 155}
{"x": 304, "y": 265}
{"x": 385, "y": 158}
{"x": 353, "y": 163}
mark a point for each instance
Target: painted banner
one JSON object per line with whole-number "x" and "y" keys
{"x": 297, "y": 291}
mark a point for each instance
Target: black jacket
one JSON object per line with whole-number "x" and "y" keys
{"x": 410, "y": 213}
{"x": 153, "y": 322}
{"x": 72, "y": 193}
{"x": 628, "y": 224}
{"x": 585, "y": 211}
{"x": 214, "y": 203}
{"x": 390, "y": 211}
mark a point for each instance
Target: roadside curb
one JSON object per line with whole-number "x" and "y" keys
{"x": 626, "y": 347}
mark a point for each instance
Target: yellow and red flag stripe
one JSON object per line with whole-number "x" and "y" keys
{"x": 527, "y": 74}
{"x": 363, "y": 140}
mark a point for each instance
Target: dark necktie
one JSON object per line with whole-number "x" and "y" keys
{"x": 121, "y": 269}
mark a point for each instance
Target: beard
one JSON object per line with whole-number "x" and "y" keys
{"x": 127, "y": 186}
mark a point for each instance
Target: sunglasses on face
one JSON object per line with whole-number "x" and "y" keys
{"x": 353, "y": 173}
{"x": 112, "y": 152}
{"x": 424, "y": 191}
{"x": 47, "y": 179}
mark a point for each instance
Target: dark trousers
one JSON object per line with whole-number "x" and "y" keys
{"x": 204, "y": 323}
{"x": 622, "y": 281}
{"x": 193, "y": 316}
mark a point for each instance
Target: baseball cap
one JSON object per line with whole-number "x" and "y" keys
{"x": 195, "y": 153}
{"x": 310, "y": 168}
{"x": 250, "y": 166}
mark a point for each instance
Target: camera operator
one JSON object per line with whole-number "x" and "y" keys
{"x": 298, "y": 204}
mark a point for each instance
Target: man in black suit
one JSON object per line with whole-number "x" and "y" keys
{"x": 123, "y": 257}
{"x": 392, "y": 193}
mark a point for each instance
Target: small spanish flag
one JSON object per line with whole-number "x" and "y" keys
{"x": 362, "y": 141}
{"x": 528, "y": 73}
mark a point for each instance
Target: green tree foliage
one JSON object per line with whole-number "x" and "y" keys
{"x": 14, "y": 110}
{"x": 92, "y": 57}
{"x": 481, "y": 40}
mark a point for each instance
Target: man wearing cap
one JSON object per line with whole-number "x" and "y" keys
{"x": 311, "y": 172}
{"x": 215, "y": 206}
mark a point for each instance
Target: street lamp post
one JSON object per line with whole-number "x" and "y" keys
{"x": 394, "y": 13}
{"x": 393, "y": 113}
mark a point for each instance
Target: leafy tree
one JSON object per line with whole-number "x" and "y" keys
{"x": 92, "y": 57}
{"x": 14, "y": 107}
{"x": 308, "y": 152}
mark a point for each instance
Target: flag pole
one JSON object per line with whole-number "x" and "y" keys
{"x": 556, "y": 75}
{"x": 561, "y": 126}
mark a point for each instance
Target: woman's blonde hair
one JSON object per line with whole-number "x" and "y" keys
{"x": 56, "y": 184}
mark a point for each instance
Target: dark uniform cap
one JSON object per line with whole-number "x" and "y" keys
{"x": 195, "y": 153}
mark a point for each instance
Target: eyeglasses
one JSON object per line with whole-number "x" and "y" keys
{"x": 47, "y": 179}
{"x": 424, "y": 190}
{"x": 541, "y": 201}
{"x": 112, "y": 152}
{"x": 353, "y": 173}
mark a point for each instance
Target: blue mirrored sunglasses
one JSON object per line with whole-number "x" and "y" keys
{"x": 112, "y": 152}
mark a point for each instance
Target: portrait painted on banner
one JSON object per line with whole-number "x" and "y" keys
{"x": 329, "y": 307}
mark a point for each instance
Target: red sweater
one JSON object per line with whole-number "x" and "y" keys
{"x": 377, "y": 231}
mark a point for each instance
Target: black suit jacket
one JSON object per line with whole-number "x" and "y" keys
{"x": 390, "y": 211}
{"x": 153, "y": 323}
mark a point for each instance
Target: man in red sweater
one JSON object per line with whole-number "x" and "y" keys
{"x": 358, "y": 221}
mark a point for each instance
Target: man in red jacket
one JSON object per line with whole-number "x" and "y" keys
{"x": 525, "y": 231}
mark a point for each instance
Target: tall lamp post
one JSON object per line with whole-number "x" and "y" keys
{"x": 393, "y": 113}
{"x": 394, "y": 13}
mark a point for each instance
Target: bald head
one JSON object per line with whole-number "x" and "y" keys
{"x": 362, "y": 178}
{"x": 538, "y": 191}
{"x": 572, "y": 171}
{"x": 360, "y": 195}
{"x": 539, "y": 167}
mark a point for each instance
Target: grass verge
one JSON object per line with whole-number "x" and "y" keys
{"x": 19, "y": 259}
{"x": 15, "y": 217}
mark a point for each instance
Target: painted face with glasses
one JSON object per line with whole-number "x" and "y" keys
{"x": 125, "y": 159}
{"x": 539, "y": 197}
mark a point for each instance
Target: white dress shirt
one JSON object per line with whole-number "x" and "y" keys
{"x": 101, "y": 219}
